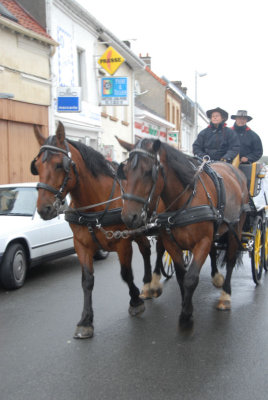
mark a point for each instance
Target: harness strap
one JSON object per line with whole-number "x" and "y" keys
{"x": 231, "y": 228}
{"x": 51, "y": 189}
{"x": 127, "y": 196}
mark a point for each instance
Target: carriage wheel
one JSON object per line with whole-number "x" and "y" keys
{"x": 187, "y": 257}
{"x": 265, "y": 264}
{"x": 257, "y": 255}
{"x": 167, "y": 269}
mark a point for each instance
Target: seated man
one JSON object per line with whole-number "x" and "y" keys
{"x": 250, "y": 143}
{"x": 217, "y": 141}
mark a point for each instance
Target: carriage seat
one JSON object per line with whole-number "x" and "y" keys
{"x": 254, "y": 173}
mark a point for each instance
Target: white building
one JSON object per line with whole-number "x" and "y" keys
{"x": 82, "y": 41}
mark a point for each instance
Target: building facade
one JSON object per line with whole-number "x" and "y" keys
{"x": 25, "y": 87}
{"x": 82, "y": 42}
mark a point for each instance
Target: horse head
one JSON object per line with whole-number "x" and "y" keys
{"x": 144, "y": 176}
{"x": 56, "y": 171}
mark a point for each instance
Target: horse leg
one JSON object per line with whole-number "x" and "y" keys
{"x": 217, "y": 278}
{"x": 156, "y": 287}
{"x": 145, "y": 249}
{"x": 85, "y": 328}
{"x": 231, "y": 258}
{"x": 191, "y": 279}
{"x": 124, "y": 250}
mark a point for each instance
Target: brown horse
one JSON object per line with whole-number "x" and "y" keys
{"x": 205, "y": 210}
{"x": 71, "y": 167}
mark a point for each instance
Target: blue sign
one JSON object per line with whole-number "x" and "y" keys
{"x": 114, "y": 91}
{"x": 68, "y": 99}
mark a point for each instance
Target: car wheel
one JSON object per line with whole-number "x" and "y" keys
{"x": 14, "y": 267}
{"x": 101, "y": 254}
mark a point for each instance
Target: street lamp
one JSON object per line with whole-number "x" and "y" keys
{"x": 197, "y": 75}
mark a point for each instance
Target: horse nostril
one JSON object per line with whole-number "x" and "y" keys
{"x": 46, "y": 212}
{"x": 131, "y": 220}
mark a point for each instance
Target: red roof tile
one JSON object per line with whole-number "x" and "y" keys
{"x": 24, "y": 18}
{"x": 164, "y": 83}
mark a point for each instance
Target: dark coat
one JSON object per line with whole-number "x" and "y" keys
{"x": 218, "y": 143}
{"x": 250, "y": 143}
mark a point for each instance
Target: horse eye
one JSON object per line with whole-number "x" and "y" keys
{"x": 148, "y": 174}
{"x": 59, "y": 166}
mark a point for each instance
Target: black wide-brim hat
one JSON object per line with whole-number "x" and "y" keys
{"x": 223, "y": 113}
{"x": 242, "y": 113}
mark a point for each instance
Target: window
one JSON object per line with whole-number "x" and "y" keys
{"x": 168, "y": 111}
{"x": 81, "y": 73}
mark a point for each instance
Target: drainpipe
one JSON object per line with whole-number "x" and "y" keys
{"x": 51, "y": 118}
{"x": 133, "y": 106}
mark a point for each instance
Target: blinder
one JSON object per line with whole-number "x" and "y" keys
{"x": 66, "y": 162}
{"x": 155, "y": 173}
{"x": 33, "y": 167}
{"x": 120, "y": 171}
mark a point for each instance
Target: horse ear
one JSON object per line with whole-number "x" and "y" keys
{"x": 125, "y": 145}
{"x": 40, "y": 138}
{"x": 156, "y": 145}
{"x": 60, "y": 132}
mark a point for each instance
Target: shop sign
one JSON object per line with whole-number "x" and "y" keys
{"x": 152, "y": 130}
{"x": 172, "y": 137}
{"x": 111, "y": 60}
{"x": 68, "y": 99}
{"x": 114, "y": 91}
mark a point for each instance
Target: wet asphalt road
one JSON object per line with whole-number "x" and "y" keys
{"x": 225, "y": 356}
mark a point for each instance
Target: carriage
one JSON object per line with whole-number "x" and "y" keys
{"x": 255, "y": 233}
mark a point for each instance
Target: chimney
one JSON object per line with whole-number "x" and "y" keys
{"x": 179, "y": 85}
{"x": 127, "y": 43}
{"x": 146, "y": 59}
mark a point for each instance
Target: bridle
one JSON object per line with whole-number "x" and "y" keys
{"x": 157, "y": 166}
{"x": 67, "y": 162}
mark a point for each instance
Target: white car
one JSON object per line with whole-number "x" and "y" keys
{"x": 26, "y": 239}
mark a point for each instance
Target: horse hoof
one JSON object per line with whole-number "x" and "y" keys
{"x": 146, "y": 295}
{"x": 218, "y": 280}
{"x": 186, "y": 322}
{"x": 133, "y": 311}
{"x": 83, "y": 332}
{"x": 156, "y": 292}
{"x": 224, "y": 305}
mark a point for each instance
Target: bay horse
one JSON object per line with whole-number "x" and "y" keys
{"x": 205, "y": 206}
{"x": 66, "y": 166}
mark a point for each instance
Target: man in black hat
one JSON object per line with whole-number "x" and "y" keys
{"x": 250, "y": 143}
{"x": 217, "y": 141}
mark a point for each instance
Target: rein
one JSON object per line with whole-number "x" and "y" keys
{"x": 71, "y": 210}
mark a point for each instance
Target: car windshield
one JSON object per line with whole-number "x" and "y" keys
{"x": 18, "y": 201}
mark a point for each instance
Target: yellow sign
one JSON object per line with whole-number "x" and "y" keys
{"x": 111, "y": 60}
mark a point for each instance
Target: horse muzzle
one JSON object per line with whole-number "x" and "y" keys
{"x": 134, "y": 220}
{"x": 47, "y": 212}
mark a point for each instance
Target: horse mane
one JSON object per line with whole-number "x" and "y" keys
{"x": 94, "y": 161}
{"x": 182, "y": 164}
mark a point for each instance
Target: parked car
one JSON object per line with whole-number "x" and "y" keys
{"x": 26, "y": 239}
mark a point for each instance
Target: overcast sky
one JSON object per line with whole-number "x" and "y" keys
{"x": 227, "y": 39}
